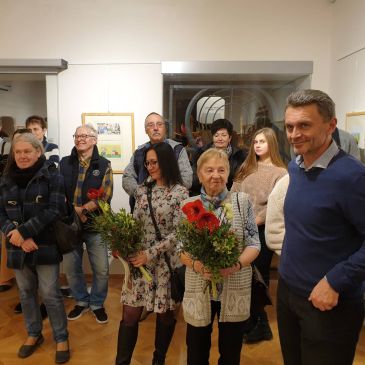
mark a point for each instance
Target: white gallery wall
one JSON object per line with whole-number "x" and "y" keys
{"x": 23, "y": 99}
{"x": 114, "y": 47}
{"x": 348, "y": 58}
{"x": 128, "y": 88}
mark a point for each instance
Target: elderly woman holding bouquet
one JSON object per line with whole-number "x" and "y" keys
{"x": 219, "y": 240}
{"x": 162, "y": 193}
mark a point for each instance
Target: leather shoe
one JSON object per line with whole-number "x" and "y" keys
{"x": 5, "y": 287}
{"x": 27, "y": 350}
{"x": 63, "y": 356}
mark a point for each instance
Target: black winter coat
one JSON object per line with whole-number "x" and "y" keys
{"x": 43, "y": 203}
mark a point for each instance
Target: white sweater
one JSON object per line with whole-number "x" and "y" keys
{"x": 275, "y": 227}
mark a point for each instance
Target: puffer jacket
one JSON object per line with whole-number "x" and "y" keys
{"x": 43, "y": 202}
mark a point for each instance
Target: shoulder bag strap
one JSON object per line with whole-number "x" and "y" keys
{"x": 149, "y": 199}
{"x": 158, "y": 233}
{"x": 3, "y": 143}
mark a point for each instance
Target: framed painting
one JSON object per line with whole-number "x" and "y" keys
{"x": 355, "y": 125}
{"x": 115, "y": 136}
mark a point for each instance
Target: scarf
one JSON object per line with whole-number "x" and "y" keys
{"x": 213, "y": 202}
{"x": 229, "y": 150}
{"x": 21, "y": 177}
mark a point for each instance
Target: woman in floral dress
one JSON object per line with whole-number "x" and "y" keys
{"x": 167, "y": 193}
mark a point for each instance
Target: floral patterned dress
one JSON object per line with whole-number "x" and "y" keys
{"x": 156, "y": 296}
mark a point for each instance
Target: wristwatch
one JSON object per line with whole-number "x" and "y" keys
{"x": 84, "y": 211}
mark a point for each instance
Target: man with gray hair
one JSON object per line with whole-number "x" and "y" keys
{"x": 83, "y": 170}
{"x": 320, "y": 298}
{"x": 135, "y": 173}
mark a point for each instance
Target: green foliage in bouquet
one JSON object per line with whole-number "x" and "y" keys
{"x": 121, "y": 233}
{"x": 206, "y": 240}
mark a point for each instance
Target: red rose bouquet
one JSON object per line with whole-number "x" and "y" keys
{"x": 208, "y": 240}
{"x": 95, "y": 194}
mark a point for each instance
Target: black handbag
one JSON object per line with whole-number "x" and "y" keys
{"x": 177, "y": 275}
{"x": 67, "y": 231}
{"x": 259, "y": 291}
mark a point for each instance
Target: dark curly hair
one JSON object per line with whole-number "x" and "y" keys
{"x": 221, "y": 124}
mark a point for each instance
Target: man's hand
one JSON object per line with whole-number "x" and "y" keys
{"x": 15, "y": 238}
{"x": 82, "y": 217}
{"x": 323, "y": 297}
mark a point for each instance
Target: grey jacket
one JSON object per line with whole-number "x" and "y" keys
{"x": 129, "y": 181}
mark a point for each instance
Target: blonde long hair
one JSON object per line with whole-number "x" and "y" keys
{"x": 250, "y": 164}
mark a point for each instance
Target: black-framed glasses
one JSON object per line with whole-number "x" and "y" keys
{"x": 82, "y": 136}
{"x": 152, "y": 163}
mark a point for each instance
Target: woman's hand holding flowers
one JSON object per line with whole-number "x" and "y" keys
{"x": 139, "y": 259}
{"x": 199, "y": 268}
{"x": 230, "y": 270}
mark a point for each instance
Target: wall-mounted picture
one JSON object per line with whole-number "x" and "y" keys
{"x": 355, "y": 125}
{"x": 115, "y": 136}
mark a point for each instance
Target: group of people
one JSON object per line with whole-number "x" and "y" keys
{"x": 312, "y": 216}
{"x": 36, "y": 189}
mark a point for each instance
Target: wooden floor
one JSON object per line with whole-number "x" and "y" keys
{"x": 92, "y": 343}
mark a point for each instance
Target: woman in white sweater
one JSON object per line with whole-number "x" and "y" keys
{"x": 257, "y": 177}
{"x": 275, "y": 226}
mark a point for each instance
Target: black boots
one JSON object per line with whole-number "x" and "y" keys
{"x": 127, "y": 338}
{"x": 261, "y": 330}
{"x": 163, "y": 337}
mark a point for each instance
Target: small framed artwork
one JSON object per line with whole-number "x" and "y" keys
{"x": 355, "y": 125}
{"x": 115, "y": 137}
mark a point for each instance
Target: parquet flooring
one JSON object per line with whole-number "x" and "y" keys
{"x": 95, "y": 344}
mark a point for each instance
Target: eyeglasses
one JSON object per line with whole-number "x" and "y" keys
{"x": 153, "y": 125}
{"x": 152, "y": 163}
{"x": 82, "y": 136}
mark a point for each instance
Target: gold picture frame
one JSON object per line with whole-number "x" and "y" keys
{"x": 115, "y": 137}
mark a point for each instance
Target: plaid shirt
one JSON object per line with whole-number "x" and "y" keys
{"x": 107, "y": 183}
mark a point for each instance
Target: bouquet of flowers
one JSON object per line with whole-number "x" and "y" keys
{"x": 121, "y": 233}
{"x": 208, "y": 240}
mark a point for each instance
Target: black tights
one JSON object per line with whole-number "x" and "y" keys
{"x": 131, "y": 316}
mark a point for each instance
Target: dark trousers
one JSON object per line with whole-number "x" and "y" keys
{"x": 198, "y": 341}
{"x": 311, "y": 337}
{"x": 263, "y": 260}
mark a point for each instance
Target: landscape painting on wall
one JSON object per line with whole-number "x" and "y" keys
{"x": 115, "y": 137}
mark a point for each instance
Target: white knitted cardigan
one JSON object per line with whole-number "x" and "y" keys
{"x": 236, "y": 294}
